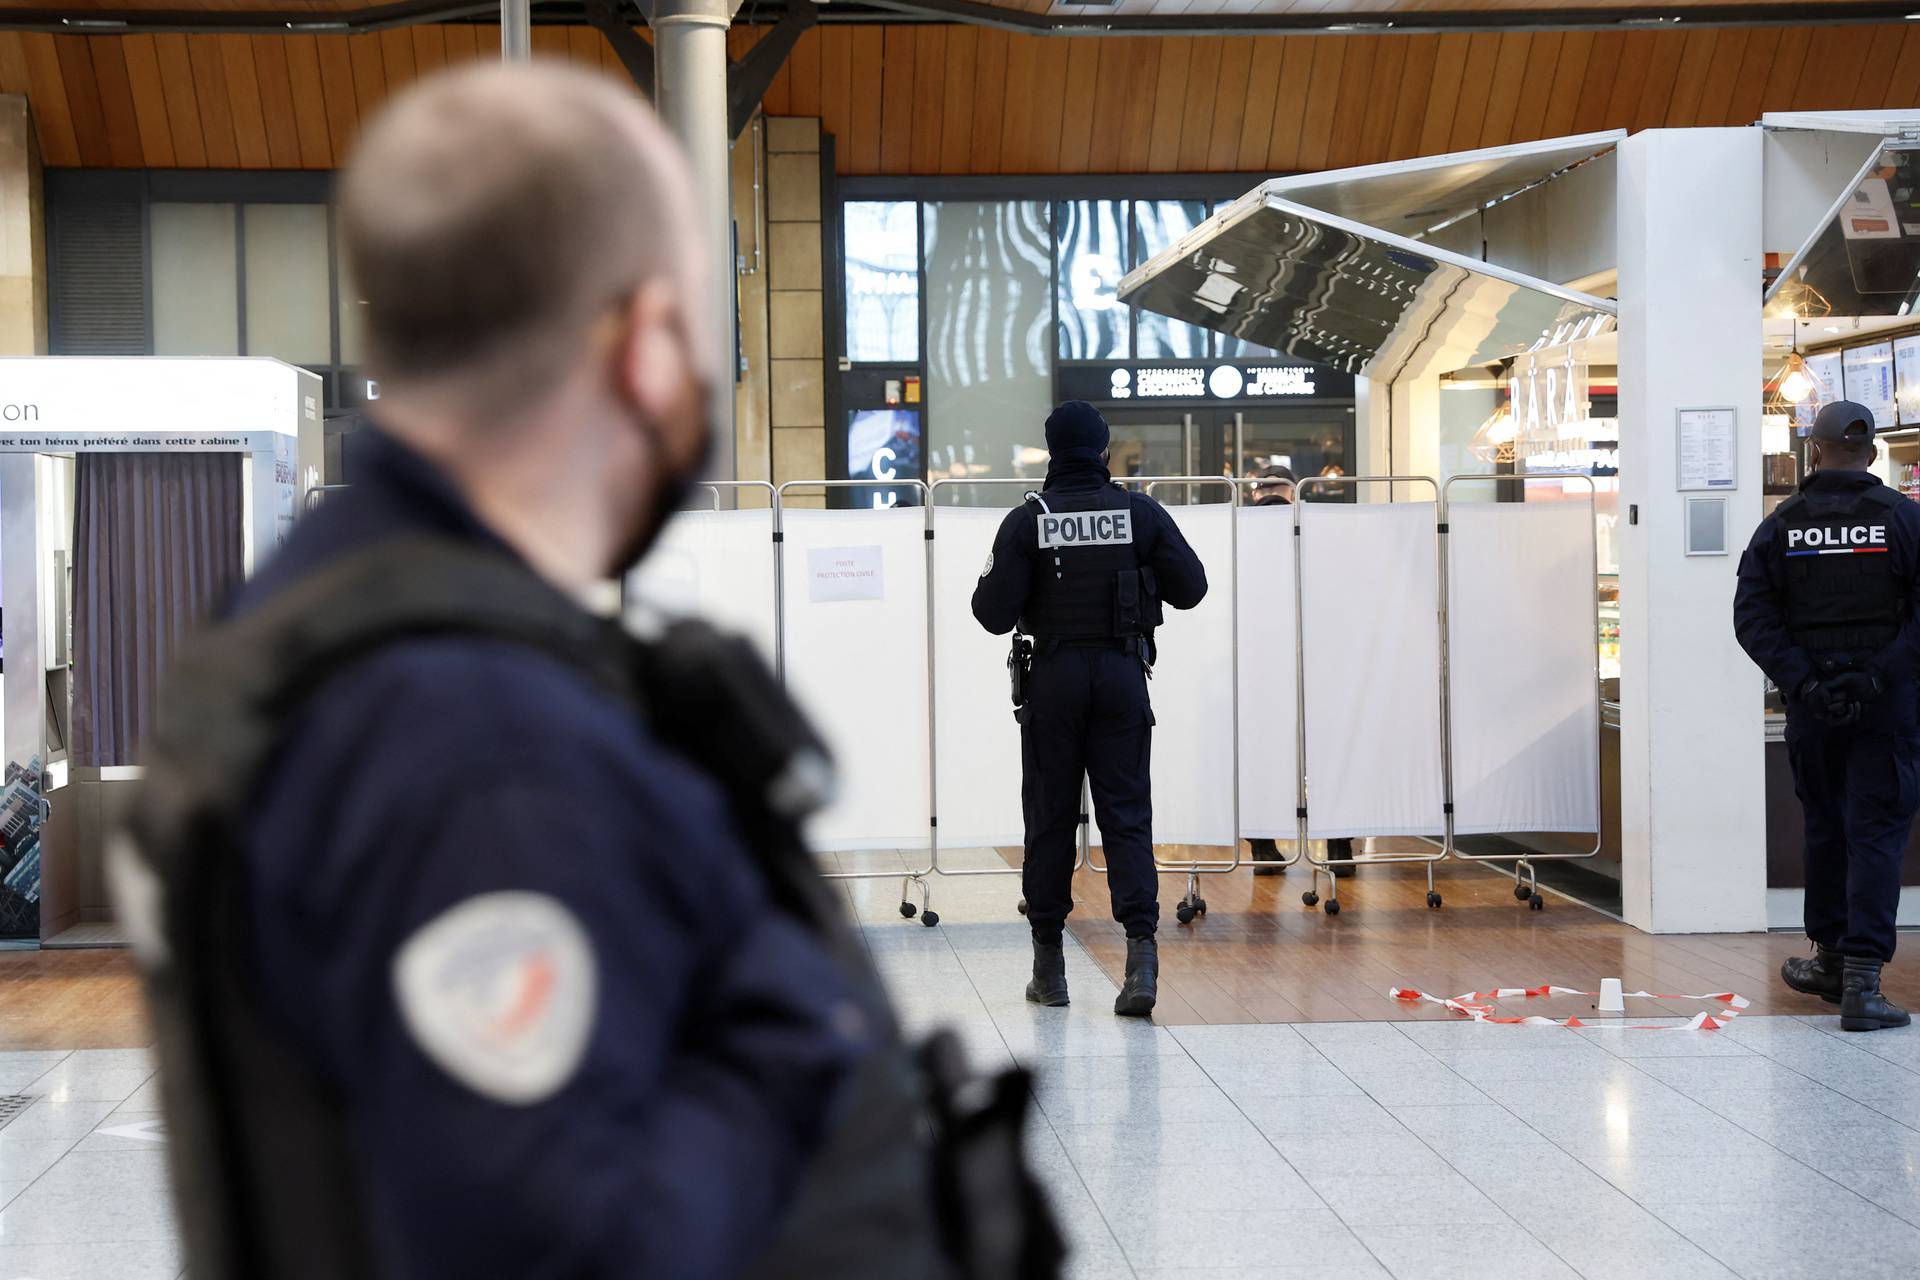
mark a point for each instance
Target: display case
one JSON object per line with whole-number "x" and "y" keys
{"x": 1609, "y": 630}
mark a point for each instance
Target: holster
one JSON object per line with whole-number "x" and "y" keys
{"x": 993, "y": 1214}
{"x": 1019, "y": 668}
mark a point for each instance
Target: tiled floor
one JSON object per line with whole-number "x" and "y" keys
{"x": 1777, "y": 1148}
{"x": 1780, "y": 1147}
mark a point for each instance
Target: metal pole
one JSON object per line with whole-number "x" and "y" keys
{"x": 690, "y": 74}
{"x": 516, "y": 31}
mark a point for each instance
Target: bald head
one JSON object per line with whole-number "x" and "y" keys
{"x": 492, "y": 216}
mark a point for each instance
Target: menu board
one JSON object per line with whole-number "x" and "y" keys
{"x": 1708, "y": 447}
{"x": 1869, "y": 380}
{"x": 1825, "y": 369}
{"x": 1906, "y": 379}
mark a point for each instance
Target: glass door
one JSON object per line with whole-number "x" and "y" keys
{"x": 1145, "y": 444}
{"x": 1309, "y": 440}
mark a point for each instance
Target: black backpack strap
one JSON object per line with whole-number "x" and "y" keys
{"x": 411, "y": 588}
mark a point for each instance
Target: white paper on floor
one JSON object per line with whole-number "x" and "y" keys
{"x": 1525, "y": 716}
{"x": 1370, "y": 580}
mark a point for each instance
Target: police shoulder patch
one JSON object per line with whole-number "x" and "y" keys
{"x": 500, "y": 991}
{"x": 987, "y": 568}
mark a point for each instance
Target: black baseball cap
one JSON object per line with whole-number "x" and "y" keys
{"x": 1842, "y": 420}
{"x": 1275, "y": 472}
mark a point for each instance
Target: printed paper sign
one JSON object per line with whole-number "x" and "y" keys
{"x": 844, "y": 573}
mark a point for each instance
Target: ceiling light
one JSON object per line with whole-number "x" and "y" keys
{"x": 1791, "y": 387}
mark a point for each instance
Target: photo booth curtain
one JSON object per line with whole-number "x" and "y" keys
{"x": 157, "y": 546}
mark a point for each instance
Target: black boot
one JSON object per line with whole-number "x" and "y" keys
{"x": 1266, "y": 858}
{"x": 1049, "y": 985}
{"x": 1862, "y": 1007}
{"x": 1815, "y": 975}
{"x": 1138, "y": 992}
{"x": 1338, "y": 853}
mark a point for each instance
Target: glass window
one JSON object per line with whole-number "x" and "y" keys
{"x": 1091, "y": 246}
{"x": 196, "y": 302}
{"x": 989, "y": 316}
{"x": 1156, "y": 225}
{"x": 882, "y": 248}
{"x": 287, "y": 293}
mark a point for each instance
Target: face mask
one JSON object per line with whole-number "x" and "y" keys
{"x": 671, "y": 490}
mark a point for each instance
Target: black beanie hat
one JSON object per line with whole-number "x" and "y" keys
{"x": 1076, "y": 425}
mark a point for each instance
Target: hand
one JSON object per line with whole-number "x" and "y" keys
{"x": 1839, "y": 699}
{"x": 1860, "y": 687}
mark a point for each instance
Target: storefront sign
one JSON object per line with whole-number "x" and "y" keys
{"x": 158, "y": 399}
{"x": 137, "y": 442}
{"x": 1212, "y": 383}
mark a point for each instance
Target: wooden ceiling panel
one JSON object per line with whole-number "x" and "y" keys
{"x": 935, "y": 99}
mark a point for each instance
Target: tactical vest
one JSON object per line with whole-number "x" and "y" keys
{"x": 266, "y": 1180}
{"x": 1089, "y": 582}
{"x": 1842, "y": 592}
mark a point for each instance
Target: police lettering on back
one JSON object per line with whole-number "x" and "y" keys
{"x": 1086, "y": 529}
{"x": 1861, "y": 537}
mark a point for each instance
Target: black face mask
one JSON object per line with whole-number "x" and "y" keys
{"x": 671, "y": 490}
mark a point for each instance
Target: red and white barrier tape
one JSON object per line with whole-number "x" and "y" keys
{"x": 1479, "y": 1006}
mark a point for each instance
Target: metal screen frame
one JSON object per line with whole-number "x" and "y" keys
{"x": 1520, "y": 860}
{"x": 910, "y": 877}
{"x": 1324, "y": 866}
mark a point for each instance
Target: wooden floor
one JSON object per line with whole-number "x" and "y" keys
{"x": 1260, "y": 955}
{"x": 70, "y": 1000}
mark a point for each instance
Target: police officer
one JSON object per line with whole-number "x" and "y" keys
{"x": 1825, "y": 606}
{"x": 1082, "y": 567}
{"x": 499, "y": 980}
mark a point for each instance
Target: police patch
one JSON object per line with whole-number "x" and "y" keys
{"x": 1086, "y": 528}
{"x": 500, "y": 992}
{"x": 987, "y": 568}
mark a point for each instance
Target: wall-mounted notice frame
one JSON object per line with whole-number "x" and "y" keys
{"x": 1706, "y": 527}
{"x": 1706, "y": 444}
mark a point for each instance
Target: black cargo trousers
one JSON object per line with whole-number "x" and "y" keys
{"x": 1088, "y": 716}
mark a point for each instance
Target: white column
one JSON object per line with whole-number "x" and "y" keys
{"x": 1693, "y": 824}
{"x": 690, "y": 79}
{"x": 516, "y": 31}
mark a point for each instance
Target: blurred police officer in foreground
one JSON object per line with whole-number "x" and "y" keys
{"x": 479, "y": 937}
{"x": 1082, "y": 568}
{"x": 1825, "y": 606}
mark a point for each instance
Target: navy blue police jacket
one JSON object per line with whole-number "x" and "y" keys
{"x": 1003, "y": 588}
{"x": 1759, "y": 600}
{"x": 441, "y": 769}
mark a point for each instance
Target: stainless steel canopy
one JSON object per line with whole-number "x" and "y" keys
{"x": 1325, "y": 289}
